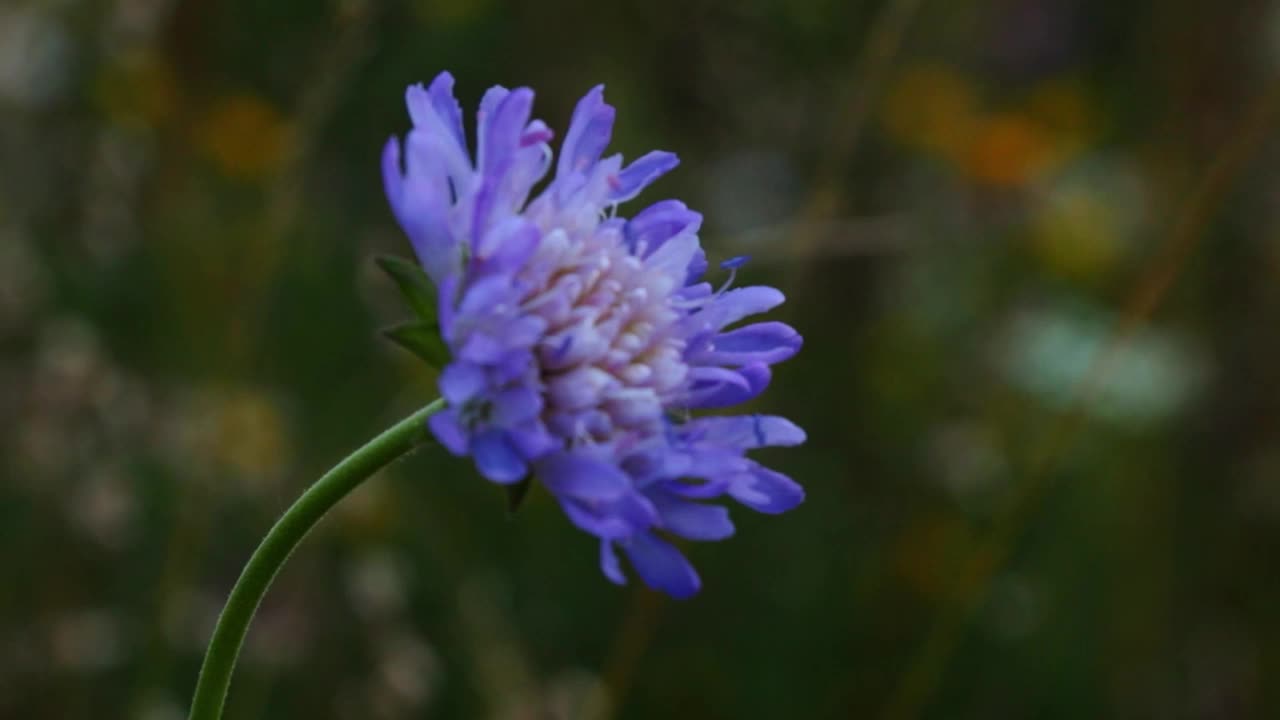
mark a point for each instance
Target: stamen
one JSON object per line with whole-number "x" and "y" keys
{"x": 732, "y": 265}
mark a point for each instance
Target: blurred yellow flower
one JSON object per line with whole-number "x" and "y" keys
{"x": 245, "y": 136}
{"x": 232, "y": 436}
{"x": 1085, "y": 218}
{"x": 1077, "y": 233}
{"x": 251, "y": 437}
{"x": 932, "y": 107}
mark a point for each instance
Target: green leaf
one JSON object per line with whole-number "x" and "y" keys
{"x": 413, "y": 283}
{"x": 422, "y": 339}
{"x": 516, "y": 493}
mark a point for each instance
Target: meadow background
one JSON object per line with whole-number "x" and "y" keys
{"x": 1033, "y": 246}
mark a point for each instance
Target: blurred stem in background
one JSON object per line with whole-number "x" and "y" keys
{"x": 278, "y": 545}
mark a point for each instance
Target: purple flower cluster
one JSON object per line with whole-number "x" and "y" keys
{"x": 581, "y": 341}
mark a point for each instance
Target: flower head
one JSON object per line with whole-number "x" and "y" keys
{"x": 581, "y": 342}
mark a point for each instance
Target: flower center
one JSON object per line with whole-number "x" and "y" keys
{"x": 608, "y": 360}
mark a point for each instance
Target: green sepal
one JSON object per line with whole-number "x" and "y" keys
{"x": 516, "y": 493}
{"x": 413, "y": 283}
{"x": 422, "y": 339}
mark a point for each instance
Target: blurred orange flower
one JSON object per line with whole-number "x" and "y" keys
{"x": 245, "y": 136}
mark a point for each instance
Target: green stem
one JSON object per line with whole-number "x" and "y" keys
{"x": 278, "y": 545}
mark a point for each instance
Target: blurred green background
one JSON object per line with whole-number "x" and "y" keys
{"x": 1033, "y": 245}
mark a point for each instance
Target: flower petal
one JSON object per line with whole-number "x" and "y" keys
{"x": 460, "y": 382}
{"x": 576, "y": 475}
{"x": 658, "y": 223}
{"x": 438, "y": 99}
{"x": 514, "y": 406}
{"x": 506, "y": 247}
{"x": 693, "y": 521}
{"x": 417, "y": 200}
{"x": 639, "y": 174}
{"x": 766, "y": 342}
{"x": 718, "y": 395}
{"x": 746, "y": 431}
{"x": 766, "y": 491}
{"x": 445, "y": 426}
{"x": 496, "y": 458}
{"x": 603, "y": 525}
{"x": 609, "y": 563}
{"x": 661, "y": 566}
{"x": 589, "y": 131}
{"x": 734, "y": 305}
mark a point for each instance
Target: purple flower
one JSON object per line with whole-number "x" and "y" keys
{"x": 581, "y": 342}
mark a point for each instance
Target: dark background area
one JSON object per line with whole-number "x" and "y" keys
{"x": 1033, "y": 246}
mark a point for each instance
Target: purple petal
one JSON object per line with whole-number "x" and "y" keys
{"x": 639, "y": 174}
{"x": 637, "y": 510}
{"x": 436, "y": 114}
{"x": 392, "y": 174}
{"x": 661, "y": 566}
{"x": 484, "y": 117}
{"x": 601, "y": 524}
{"x": 575, "y": 475}
{"x": 446, "y": 106}
{"x": 418, "y": 199}
{"x": 735, "y": 305}
{"x": 710, "y": 374}
{"x": 589, "y": 132}
{"x": 697, "y": 267}
{"x": 436, "y": 107}
{"x": 486, "y": 294}
{"x": 503, "y": 130}
{"x": 766, "y": 342}
{"x": 445, "y": 426}
{"x": 658, "y": 223}
{"x": 718, "y": 395}
{"x": 480, "y": 347}
{"x": 717, "y": 461}
{"x": 499, "y": 145}
{"x": 655, "y": 463}
{"x": 507, "y": 246}
{"x": 746, "y": 431}
{"x": 537, "y": 132}
{"x": 711, "y": 488}
{"x": 693, "y": 521}
{"x": 609, "y": 563}
{"x": 496, "y": 458}
{"x": 531, "y": 440}
{"x": 676, "y": 256}
{"x": 460, "y": 382}
{"x": 766, "y": 491}
{"x": 514, "y": 406}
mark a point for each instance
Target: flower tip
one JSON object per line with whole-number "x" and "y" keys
{"x": 392, "y": 175}
{"x": 391, "y": 153}
{"x": 414, "y": 95}
{"x": 444, "y": 80}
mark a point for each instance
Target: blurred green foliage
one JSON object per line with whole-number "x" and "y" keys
{"x": 960, "y": 199}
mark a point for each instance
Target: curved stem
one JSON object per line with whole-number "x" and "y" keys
{"x": 278, "y": 545}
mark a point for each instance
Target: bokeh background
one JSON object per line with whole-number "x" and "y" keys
{"x": 1034, "y": 247}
